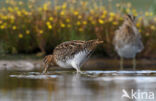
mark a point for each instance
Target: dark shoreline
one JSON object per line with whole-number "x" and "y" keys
{"x": 91, "y": 64}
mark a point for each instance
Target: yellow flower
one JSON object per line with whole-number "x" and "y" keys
{"x": 57, "y": 7}
{"x": 121, "y": 18}
{"x": 101, "y": 21}
{"x": 79, "y": 17}
{"x": 64, "y": 6}
{"x": 146, "y": 13}
{"x": 140, "y": 19}
{"x": 83, "y": 3}
{"x": 41, "y": 31}
{"x": 20, "y": 3}
{"x": 16, "y": 8}
{"x": 45, "y": 7}
{"x": 63, "y": 25}
{"x": 10, "y": 9}
{"x": 39, "y": 9}
{"x": 48, "y": 23}
{"x": 151, "y": 13}
{"x": 115, "y": 23}
{"x": 12, "y": 21}
{"x": 30, "y": 6}
{"x": 62, "y": 13}
{"x": 128, "y": 10}
{"x": 1, "y": 22}
{"x": 26, "y": 13}
{"x": 152, "y": 27}
{"x": 4, "y": 17}
{"x": 19, "y": 13}
{"x": 105, "y": 12}
{"x": 110, "y": 19}
{"x": 84, "y": 22}
{"x": 134, "y": 12}
{"x": 139, "y": 30}
{"x": 80, "y": 29}
{"x": 112, "y": 14}
{"x": 76, "y": 12}
{"x": 68, "y": 25}
{"x": 12, "y": 17}
{"x": 103, "y": 16}
{"x": 50, "y": 26}
{"x": 92, "y": 11}
{"x": 138, "y": 24}
{"x": 129, "y": 5}
{"x": 155, "y": 19}
{"x": 51, "y": 18}
{"x": 20, "y": 35}
{"x": 14, "y": 27}
{"x": 90, "y": 18}
{"x": 2, "y": 26}
{"x": 93, "y": 22}
{"x": 68, "y": 20}
{"x": 78, "y": 23}
{"x": 27, "y": 32}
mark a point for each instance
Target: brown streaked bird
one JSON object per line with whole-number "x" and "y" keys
{"x": 127, "y": 40}
{"x": 71, "y": 54}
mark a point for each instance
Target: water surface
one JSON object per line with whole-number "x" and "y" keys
{"x": 70, "y": 86}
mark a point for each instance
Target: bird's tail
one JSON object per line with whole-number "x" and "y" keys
{"x": 47, "y": 59}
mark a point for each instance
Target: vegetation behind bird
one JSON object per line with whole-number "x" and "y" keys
{"x": 29, "y": 27}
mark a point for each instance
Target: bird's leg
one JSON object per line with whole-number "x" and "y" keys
{"x": 45, "y": 68}
{"x": 78, "y": 70}
{"x": 121, "y": 63}
{"x": 77, "y": 67}
{"x": 134, "y": 63}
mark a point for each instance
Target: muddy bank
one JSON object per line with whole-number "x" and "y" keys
{"x": 92, "y": 64}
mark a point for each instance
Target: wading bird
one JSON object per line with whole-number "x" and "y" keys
{"x": 127, "y": 40}
{"x": 71, "y": 54}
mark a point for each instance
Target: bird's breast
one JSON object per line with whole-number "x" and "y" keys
{"x": 78, "y": 59}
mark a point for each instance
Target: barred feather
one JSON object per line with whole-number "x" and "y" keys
{"x": 47, "y": 59}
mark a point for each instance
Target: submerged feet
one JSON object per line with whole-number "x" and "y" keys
{"x": 134, "y": 63}
{"x": 121, "y": 63}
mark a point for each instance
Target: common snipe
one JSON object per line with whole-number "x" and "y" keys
{"x": 71, "y": 54}
{"x": 127, "y": 40}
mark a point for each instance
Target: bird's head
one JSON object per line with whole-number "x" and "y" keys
{"x": 130, "y": 19}
{"x": 94, "y": 43}
{"x": 98, "y": 41}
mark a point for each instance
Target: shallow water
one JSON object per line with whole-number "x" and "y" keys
{"x": 70, "y": 86}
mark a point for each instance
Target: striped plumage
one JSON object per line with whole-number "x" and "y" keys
{"x": 127, "y": 39}
{"x": 71, "y": 54}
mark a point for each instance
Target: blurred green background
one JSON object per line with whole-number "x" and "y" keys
{"x": 36, "y": 27}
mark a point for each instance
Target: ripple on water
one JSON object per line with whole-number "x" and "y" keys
{"x": 123, "y": 72}
{"x": 139, "y": 79}
{"x": 106, "y": 75}
{"x": 34, "y": 76}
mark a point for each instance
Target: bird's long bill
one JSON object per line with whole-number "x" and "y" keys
{"x": 45, "y": 68}
{"x": 99, "y": 42}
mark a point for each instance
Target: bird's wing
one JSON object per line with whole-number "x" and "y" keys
{"x": 68, "y": 49}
